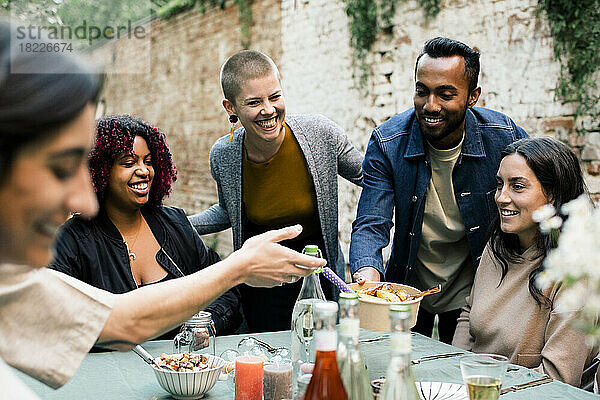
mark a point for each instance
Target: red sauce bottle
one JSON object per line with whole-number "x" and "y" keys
{"x": 326, "y": 382}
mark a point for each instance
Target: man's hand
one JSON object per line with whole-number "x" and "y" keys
{"x": 267, "y": 263}
{"x": 366, "y": 274}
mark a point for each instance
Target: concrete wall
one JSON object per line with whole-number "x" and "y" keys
{"x": 309, "y": 41}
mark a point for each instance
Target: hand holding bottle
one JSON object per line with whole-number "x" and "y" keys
{"x": 267, "y": 263}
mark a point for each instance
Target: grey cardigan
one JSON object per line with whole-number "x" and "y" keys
{"x": 327, "y": 152}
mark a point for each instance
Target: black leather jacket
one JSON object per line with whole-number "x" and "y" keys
{"x": 93, "y": 251}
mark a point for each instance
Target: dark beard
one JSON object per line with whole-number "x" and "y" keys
{"x": 452, "y": 125}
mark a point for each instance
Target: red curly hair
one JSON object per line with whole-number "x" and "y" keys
{"x": 114, "y": 136}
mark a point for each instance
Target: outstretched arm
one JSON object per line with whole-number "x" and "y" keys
{"x": 145, "y": 313}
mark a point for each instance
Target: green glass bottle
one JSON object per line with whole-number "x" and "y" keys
{"x": 400, "y": 381}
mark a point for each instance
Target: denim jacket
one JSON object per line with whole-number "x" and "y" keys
{"x": 396, "y": 176}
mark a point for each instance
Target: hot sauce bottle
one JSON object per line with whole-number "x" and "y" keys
{"x": 326, "y": 382}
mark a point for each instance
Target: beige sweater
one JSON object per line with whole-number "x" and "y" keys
{"x": 505, "y": 319}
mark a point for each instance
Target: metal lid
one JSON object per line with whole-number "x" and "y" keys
{"x": 203, "y": 317}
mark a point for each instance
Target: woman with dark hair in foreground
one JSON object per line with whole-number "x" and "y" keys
{"x": 506, "y": 312}
{"x": 49, "y": 320}
{"x": 134, "y": 240}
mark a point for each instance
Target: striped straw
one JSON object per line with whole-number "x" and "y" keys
{"x": 333, "y": 278}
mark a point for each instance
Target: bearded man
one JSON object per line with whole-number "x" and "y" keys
{"x": 434, "y": 165}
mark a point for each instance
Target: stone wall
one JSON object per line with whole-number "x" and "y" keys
{"x": 309, "y": 41}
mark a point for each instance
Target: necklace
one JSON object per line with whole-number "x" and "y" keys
{"x": 130, "y": 253}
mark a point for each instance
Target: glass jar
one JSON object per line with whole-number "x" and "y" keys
{"x": 197, "y": 335}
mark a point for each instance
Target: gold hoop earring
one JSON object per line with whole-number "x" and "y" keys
{"x": 233, "y": 119}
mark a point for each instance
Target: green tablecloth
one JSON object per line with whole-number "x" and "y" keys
{"x": 118, "y": 375}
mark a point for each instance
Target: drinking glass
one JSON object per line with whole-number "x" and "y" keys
{"x": 483, "y": 374}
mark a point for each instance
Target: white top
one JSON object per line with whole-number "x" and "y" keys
{"x": 48, "y": 321}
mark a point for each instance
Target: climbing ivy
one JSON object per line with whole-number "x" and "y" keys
{"x": 174, "y": 7}
{"x": 370, "y": 17}
{"x": 245, "y": 18}
{"x": 575, "y": 27}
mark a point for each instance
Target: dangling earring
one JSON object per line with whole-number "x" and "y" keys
{"x": 233, "y": 119}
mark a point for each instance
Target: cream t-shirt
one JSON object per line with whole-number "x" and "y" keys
{"x": 48, "y": 321}
{"x": 444, "y": 254}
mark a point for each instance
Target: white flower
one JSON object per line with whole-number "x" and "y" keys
{"x": 576, "y": 260}
{"x": 547, "y": 225}
{"x": 543, "y": 213}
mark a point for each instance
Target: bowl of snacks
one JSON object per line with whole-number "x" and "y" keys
{"x": 189, "y": 376}
{"x": 375, "y": 299}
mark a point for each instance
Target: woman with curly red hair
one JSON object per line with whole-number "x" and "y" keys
{"x": 135, "y": 241}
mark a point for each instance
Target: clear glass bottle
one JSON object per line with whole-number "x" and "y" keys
{"x": 326, "y": 382}
{"x": 399, "y": 381}
{"x": 302, "y": 319}
{"x": 350, "y": 362}
{"x": 197, "y": 335}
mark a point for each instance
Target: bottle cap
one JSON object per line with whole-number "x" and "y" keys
{"x": 311, "y": 250}
{"x": 400, "y": 308}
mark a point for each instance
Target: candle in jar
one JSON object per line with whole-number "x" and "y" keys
{"x": 248, "y": 378}
{"x": 277, "y": 381}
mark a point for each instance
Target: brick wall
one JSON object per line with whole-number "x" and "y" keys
{"x": 308, "y": 39}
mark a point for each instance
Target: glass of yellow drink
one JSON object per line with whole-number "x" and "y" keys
{"x": 483, "y": 374}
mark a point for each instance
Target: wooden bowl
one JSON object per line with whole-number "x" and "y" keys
{"x": 374, "y": 313}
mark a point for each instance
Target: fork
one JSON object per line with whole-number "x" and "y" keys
{"x": 435, "y": 357}
{"x": 262, "y": 344}
{"x": 545, "y": 379}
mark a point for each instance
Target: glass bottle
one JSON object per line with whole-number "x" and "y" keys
{"x": 399, "y": 381}
{"x": 302, "y": 318}
{"x": 326, "y": 382}
{"x": 197, "y": 335}
{"x": 350, "y": 362}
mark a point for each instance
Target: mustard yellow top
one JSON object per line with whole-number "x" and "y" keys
{"x": 280, "y": 191}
